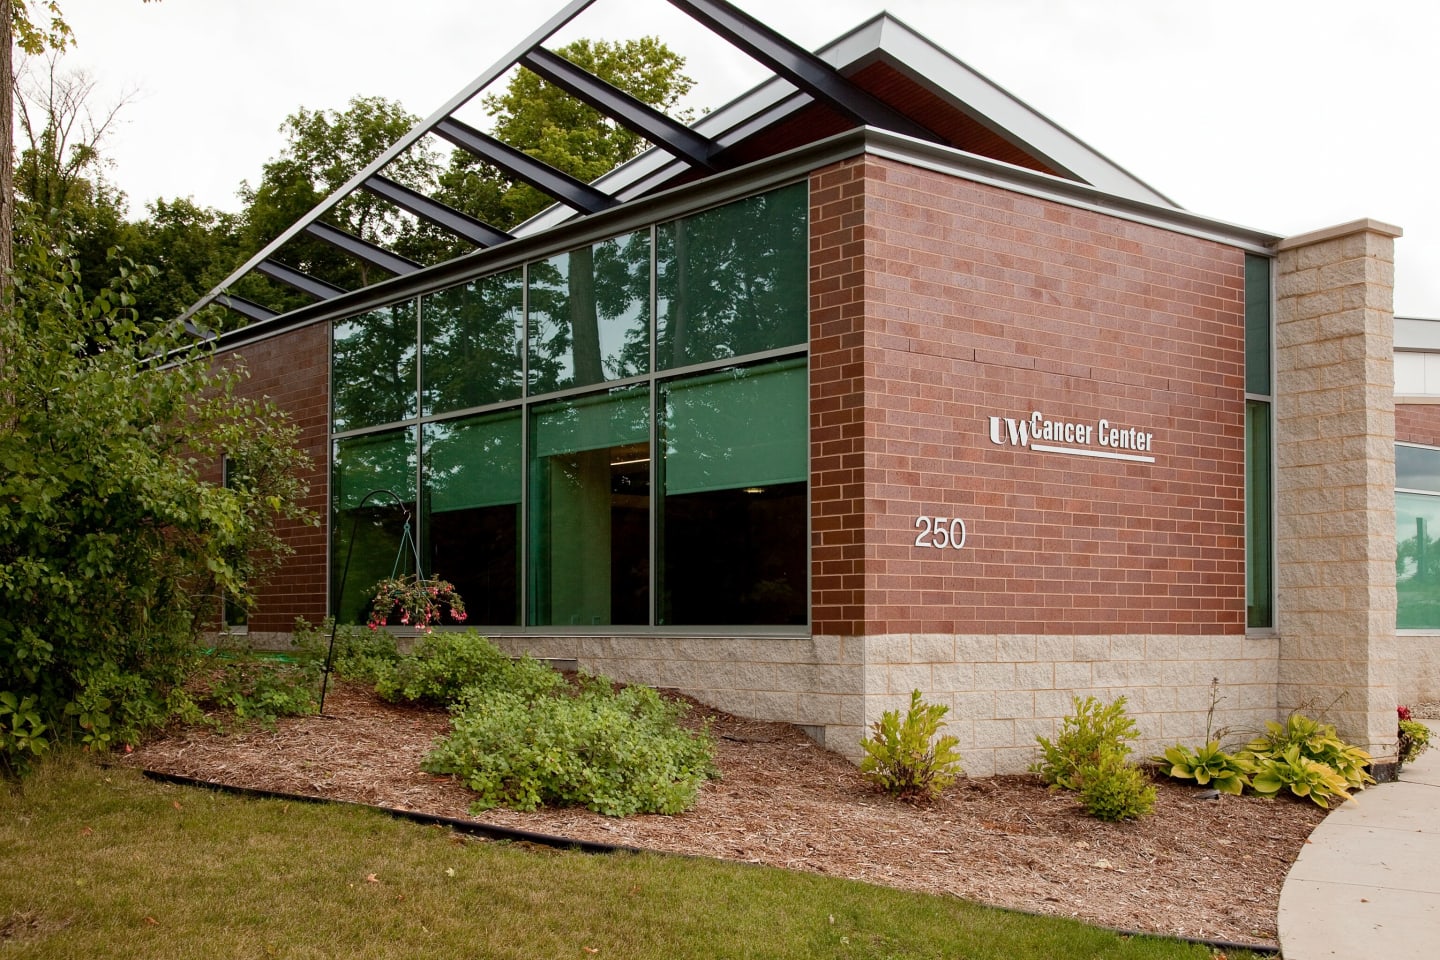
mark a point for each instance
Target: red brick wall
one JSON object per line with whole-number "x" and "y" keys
{"x": 293, "y": 370}
{"x": 1418, "y": 423}
{"x": 937, "y": 303}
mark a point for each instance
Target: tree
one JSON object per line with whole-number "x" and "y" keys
{"x": 115, "y": 549}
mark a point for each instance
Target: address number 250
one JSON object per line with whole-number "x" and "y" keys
{"x": 940, "y": 532}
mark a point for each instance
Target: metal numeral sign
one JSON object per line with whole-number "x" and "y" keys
{"x": 940, "y": 532}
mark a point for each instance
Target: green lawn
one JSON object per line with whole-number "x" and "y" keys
{"x": 103, "y": 863}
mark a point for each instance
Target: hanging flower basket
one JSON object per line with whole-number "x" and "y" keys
{"x": 410, "y": 601}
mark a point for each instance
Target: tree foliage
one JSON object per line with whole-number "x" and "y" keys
{"x": 115, "y": 546}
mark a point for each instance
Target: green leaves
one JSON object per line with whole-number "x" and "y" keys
{"x": 1089, "y": 756}
{"x": 908, "y": 758}
{"x": 1208, "y": 766}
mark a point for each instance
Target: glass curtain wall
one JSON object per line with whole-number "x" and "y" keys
{"x": 1259, "y": 496}
{"x": 538, "y": 398}
{"x": 1417, "y": 537}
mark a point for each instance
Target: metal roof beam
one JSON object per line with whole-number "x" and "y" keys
{"x": 246, "y": 308}
{"x": 633, "y": 114}
{"x": 306, "y": 284}
{"x": 361, "y": 249}
{"x": 461, "y": 224}
{"x": 799, "y": 66}
{"x": 572, "y": 192}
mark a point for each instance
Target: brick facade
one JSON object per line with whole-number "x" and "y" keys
{"x": 937, "y": 303}
{"x": 293, "y": 370}
{"x": 1418, "y": 423}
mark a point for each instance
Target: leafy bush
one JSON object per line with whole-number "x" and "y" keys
{"x": 447, "y": 665}
{"x": 1086, "y": 736}
{"x": 1113, "y": 789}
{"x": 1312, "y": 740}
{"x": 115, "y": 549}
{"x": 359, "y": 654}
{"x": 616, "y": 753}
{"x": 263, "y": 688}
{"x": 1414, "y": 736}
{"x": 1207, "y": 766}
{"x": 904, "y": 758}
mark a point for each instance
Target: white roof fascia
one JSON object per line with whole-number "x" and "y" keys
{"x": 1416, "y": 333}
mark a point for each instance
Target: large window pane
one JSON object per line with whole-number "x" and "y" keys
{"x": 1417, "y": 468}
{"x": 733, "y": 513}
{"x": 472, "y": 513}
{"x": 1259, "y": 533}
{"x": 590, "y": 510}
{"x": 589, "y": 315}
{"x": 733, "y": 280}
{"x": 1257, "y": 324}
{"x": 372, "y": 370}
{"x": 473, "y": 342}
{"x": 368, "y": 526}
{"x": 1417, "y": 561}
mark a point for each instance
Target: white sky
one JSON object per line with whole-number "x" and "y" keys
{"x": 1284, "y": 115}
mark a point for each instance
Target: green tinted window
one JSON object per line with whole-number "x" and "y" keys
{"x": 1417, "y": 468}
{"x": 473, "y": 341}
{"x": 1257, "y": 324}
{"x": 1417, "y": 561}
{"x": 472, "y": 512}
{"x": 1259, "y": 533}
{"x": 589, "y": 510}
{"x": 369, "y": 519}
{"x": 589, "y": 315}
{"x": 733, "y": 280}
{"x": 732, "y": 514}
{"x": 372, "y": 370}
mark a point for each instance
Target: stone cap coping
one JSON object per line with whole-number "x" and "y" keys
{"x": 1363, "y": 225}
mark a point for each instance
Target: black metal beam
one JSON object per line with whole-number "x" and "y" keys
{"x": 543, "y": 177}
{"x": 476, "y": 231}
{"x": 306, "y": 284}
{"x": 633, "y": 114}
{"x": 800, "y": 66}
{"x": 361, "y": 249}
{"x": 246, "y": 308}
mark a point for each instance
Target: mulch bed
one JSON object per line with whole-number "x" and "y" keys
{"x": 1199, "y": 868}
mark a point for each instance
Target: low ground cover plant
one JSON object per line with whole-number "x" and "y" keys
{"x": 1091, "y": 756}
{"x": 1209, "y": 766}
{"x": 909, "y": 758}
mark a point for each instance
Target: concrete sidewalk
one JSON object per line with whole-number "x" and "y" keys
{"x": 1368, "y": 882}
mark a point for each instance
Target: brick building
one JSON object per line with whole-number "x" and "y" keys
{"x": 872, "y": 380}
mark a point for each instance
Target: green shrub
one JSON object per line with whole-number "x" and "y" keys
{"x": 1413, "y": 737}
{"x": 905, "y": 758}
{"x": 261, "y": 688}
{"x": 1113, "y": 789}
{"x": 1314, "y": 741}
{"x": 448, "y": 664}
{"x": 617, "y": 753}
{"x": 359, "y": 654}
{"x": 1207, "y": 766}
{"x": 1086, "y": 737}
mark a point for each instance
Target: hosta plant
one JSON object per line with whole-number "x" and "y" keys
{"x": 908, "y": 758}
{"x": 1317, "y": 741}
{"x": 1208, "y": 766}
{"x": 1305, "y": 778}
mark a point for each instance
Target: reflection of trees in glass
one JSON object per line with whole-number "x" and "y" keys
{"x": 733, "y": 280}
{"x": 361, "y": 465}
{"x": 473, "y": 343}
{"x": 1417, "y": 560}
{"x": 589, "y": 316}
{"x": 372, "y": 368}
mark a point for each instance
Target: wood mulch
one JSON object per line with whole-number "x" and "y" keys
{"x": 1209, "y": 869}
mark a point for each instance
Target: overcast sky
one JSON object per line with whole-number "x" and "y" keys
{"x": 1283, "y": 115}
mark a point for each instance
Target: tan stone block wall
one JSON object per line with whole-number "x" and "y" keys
{"x": 1335, "y": 479}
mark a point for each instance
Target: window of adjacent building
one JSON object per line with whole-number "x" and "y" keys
{"x": 1417, "y": 374}
{"x": 1417, "y": 537}
{"x": 1259, "y": 488}
{"x": 540, "y": 494}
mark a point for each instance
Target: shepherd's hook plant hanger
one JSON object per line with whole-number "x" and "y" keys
{"x": 405, "y": 536}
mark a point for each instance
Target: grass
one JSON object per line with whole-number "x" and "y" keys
{"x": 103, "y": 863}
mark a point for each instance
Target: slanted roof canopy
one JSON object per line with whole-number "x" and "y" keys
{"x": 881, "y": 76}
